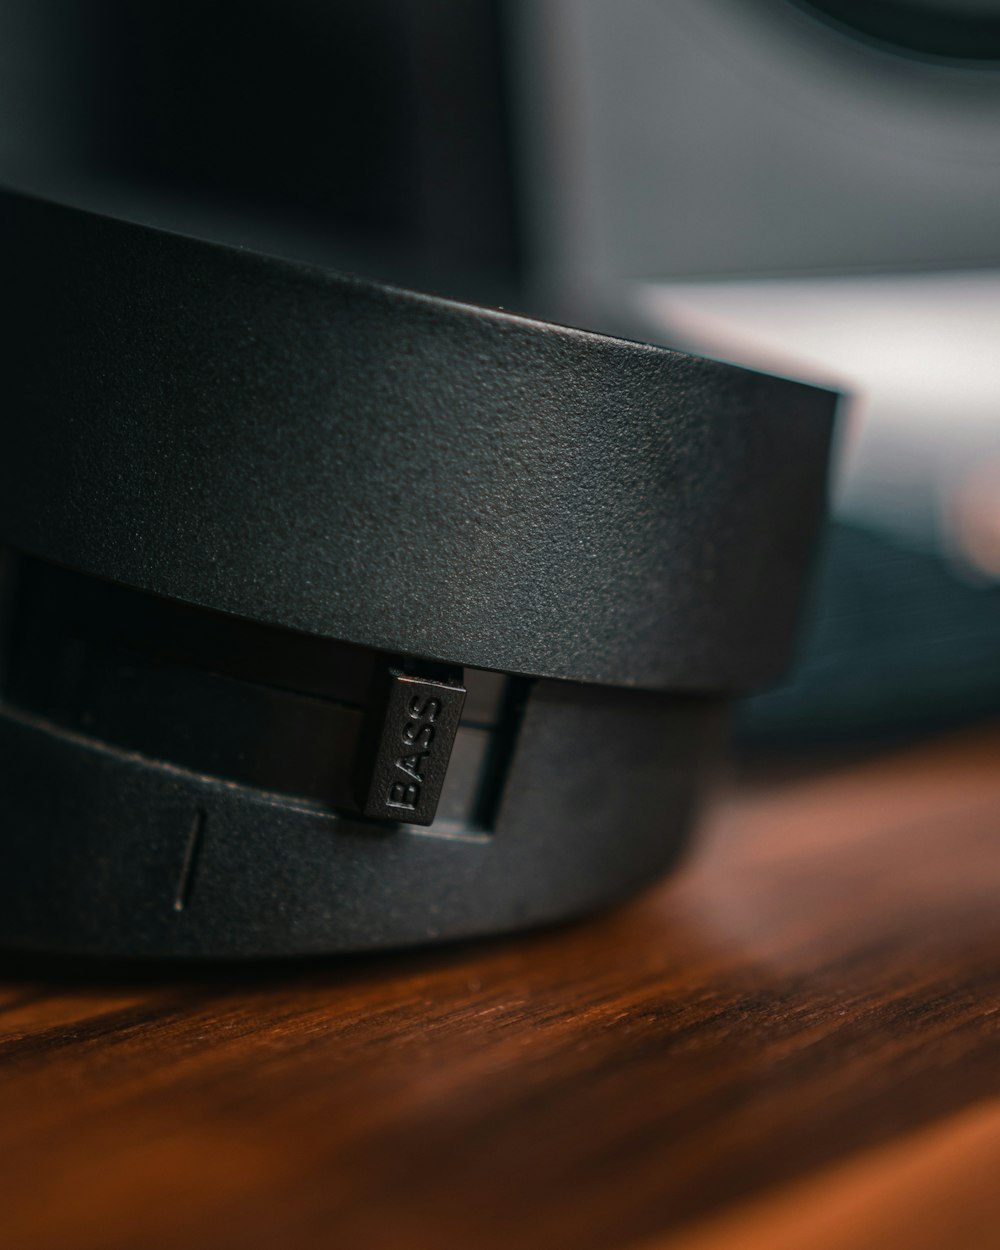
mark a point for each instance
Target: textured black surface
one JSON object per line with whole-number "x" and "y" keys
{"x": 300, "y": 480}
{"x": 272, "y": 710}
{"x": 167, "y": 790}
{"x": 396, "y": 471}
{"x": 109, "y": 853}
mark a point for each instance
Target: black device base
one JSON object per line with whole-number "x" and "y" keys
{"x": 180, "y": 783}
{"x": 341, "y": 616}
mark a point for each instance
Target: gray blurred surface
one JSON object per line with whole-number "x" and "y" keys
{"x": 717, "y": 137}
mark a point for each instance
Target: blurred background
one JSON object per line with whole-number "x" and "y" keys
{"x": 807, "y": 187}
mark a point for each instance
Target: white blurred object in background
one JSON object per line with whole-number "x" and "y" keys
{"x": 919, "y": 352}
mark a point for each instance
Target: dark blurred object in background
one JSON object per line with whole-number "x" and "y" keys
{"x": 949, "y": 29}
{"x": 369, "y": 134}
{"x": 899, "y": 644}
{"x": 801, "y": 184}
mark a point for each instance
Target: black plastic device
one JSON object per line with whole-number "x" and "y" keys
{"x": 339, "y": 617}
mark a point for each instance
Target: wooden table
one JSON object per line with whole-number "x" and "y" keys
{"x": 793, "y": 1043}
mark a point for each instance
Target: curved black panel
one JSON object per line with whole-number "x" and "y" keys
{"x": 396, "y": 471}
{"x": 110, "y": 853}
{"x": 269, "y": 526}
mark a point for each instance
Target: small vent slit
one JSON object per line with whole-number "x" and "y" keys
{"x": 192, "y": 848}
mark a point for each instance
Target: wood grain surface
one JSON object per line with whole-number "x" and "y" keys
{"x": 794, "y": 1042}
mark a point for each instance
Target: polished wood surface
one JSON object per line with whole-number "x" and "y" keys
{"x": 795, "y": 1042}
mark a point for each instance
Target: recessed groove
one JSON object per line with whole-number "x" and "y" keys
{"x": 185, "y": 882}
